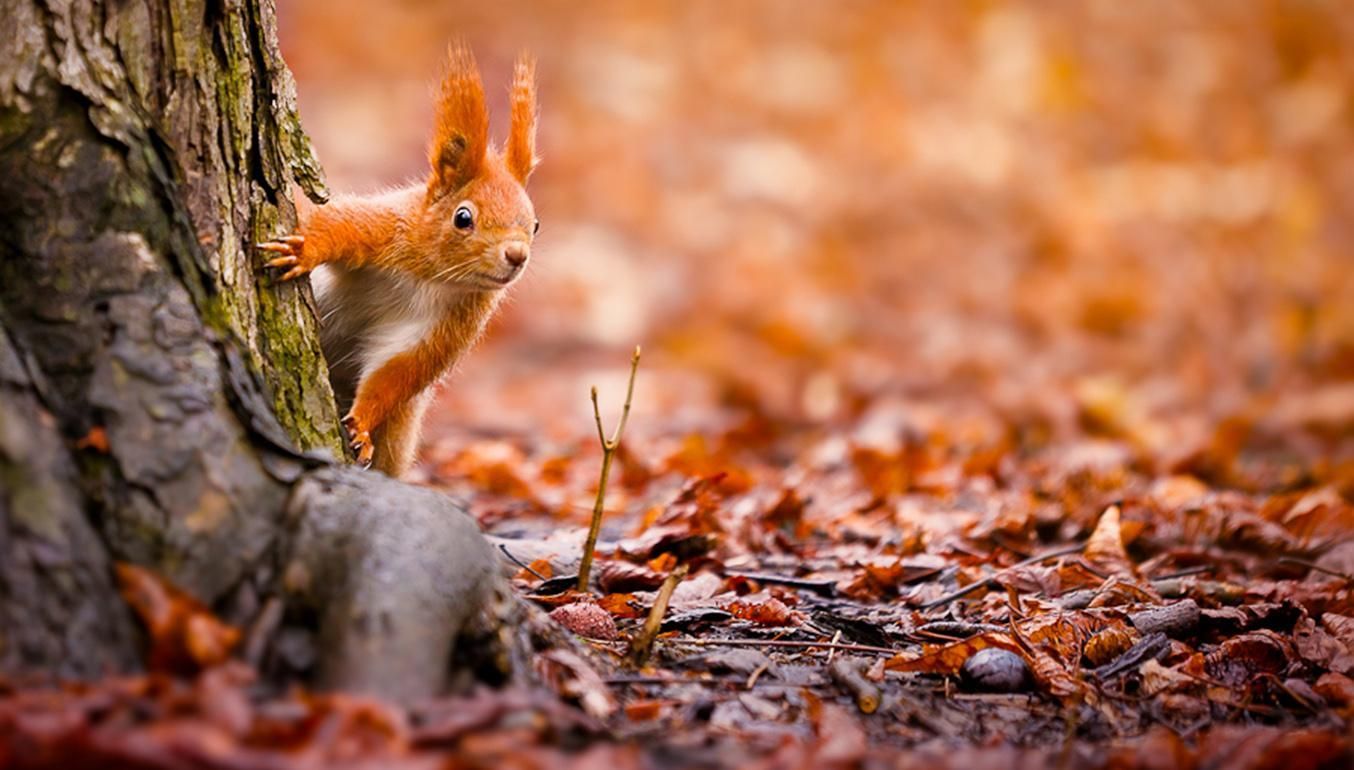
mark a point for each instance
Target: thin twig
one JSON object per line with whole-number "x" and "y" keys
{"x": 1201, "y": 569}
{"x": 712, "y": 681}
{"x": 756, "y": 674}
{"x": 520, "y": 563}
{"x": 608, "y": 451}
{"x": 974, "y": 586}
{"x": 786, "y": 643}
{"x": 837, "y": 637}
{"x": 1313, "y": 566}
{"x": 642, "y": 644}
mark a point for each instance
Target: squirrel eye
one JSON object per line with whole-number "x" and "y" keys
{"x": 463, "y": 219}
{"x": 536, "y": 228}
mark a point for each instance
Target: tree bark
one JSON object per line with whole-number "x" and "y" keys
{"x": 159, "y": 400}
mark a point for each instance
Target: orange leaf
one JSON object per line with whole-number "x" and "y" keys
{"x": 771, "y": 612}
{"x": 538, "y": 568}
{"x": 96, "y": 439}
{"x": 644, "y": 710}
{"x": 620, "y": 605}
{"x": 949, "y": 658}
{"x": 185, "y": 636}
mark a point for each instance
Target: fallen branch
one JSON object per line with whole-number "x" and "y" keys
{"x": 608, "y": 451}
{"x": 1171, "y": 620}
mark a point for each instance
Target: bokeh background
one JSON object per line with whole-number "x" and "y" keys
{"x": 978, "y": 228}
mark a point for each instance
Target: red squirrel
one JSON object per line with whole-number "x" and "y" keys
{"x": 405, "y": 280}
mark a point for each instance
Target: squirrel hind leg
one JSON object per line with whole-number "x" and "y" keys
{"x": 397, "y": 439}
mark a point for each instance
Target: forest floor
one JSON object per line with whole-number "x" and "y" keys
{"x": 997, "y": 392}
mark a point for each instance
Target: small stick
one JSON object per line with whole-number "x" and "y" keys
{"x": 787, "y": 643}
{"x": 520, "y": 563}
{"x": 711, "y": 682}
{"x": 1311, "y": 565}
{"x": 974, "y": 586}
{"x": 847, "y": 674}
{"x": 641, "y": 645}
{"x": 1171, "y": 619}
{"x": 608, "y": 451}
{"x": 262, "y": 630}
{"x": 1181, "y": 574}
{"x": 837, "y": 637}
{"x": 757, "y": 672}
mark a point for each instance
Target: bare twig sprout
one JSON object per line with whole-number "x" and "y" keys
{"x": 608, "y": 452}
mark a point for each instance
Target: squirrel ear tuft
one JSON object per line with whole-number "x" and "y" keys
{"x": 461, "y": 134}
{"x": 520, "y": 149}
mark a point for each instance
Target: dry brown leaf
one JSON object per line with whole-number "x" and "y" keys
{"x": 185, "y": 636}
{"x": 1157, "y": 679}
{"x": 771, "y": 612}
{"x": 1106, "y": 550}
{"x": 1337, "y": 689}
{"x": 645, "y": 710}
{"x": 949, "y": 658}
{"x": 572, "y": 677}
{"x": 621, "y": 605}
{"x": 624, "y": 577}
{"x": 1240, "y": 658}
{"x": 1107, "y": 645}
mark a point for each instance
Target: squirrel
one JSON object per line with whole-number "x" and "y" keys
{"x": 406, "y": 280}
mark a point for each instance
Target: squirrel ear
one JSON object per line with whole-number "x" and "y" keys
{"x": 461, "y": 136}
{"x": 520, "y": 149}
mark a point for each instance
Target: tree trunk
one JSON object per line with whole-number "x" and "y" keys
{"x": 160, "y": 401}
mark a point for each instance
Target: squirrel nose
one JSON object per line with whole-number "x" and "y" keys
{"x": 516, "y": 254}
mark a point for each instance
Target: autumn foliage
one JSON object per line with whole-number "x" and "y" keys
{"x": 1005, "y": 351}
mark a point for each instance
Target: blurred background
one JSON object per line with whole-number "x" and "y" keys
{"x": 972, "y": 226}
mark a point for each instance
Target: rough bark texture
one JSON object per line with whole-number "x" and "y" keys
{"x": 144, "y": 146}
{"x": 388, "y": 540}
{"x": 57, "y": 608}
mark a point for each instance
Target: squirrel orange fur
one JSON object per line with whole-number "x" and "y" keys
{"x": 405, "y": 280}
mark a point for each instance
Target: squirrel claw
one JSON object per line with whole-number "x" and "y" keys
{"x": 289, "y": 250}
{"x": 287, "y": 244}
{"x": 361, "y": 446}
{"x": 359, "y": 441}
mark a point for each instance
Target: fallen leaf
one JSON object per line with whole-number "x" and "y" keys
{"x": 950, "y": 658}
{"x": 1105, "y": 549}
{"x": 621, "y": 605}
{"x": 771, "y": 612}
{"x": 571, "y": 677}
{"x": 185, "y": 636}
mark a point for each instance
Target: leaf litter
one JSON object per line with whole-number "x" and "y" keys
{"x": 1003, "y": 419}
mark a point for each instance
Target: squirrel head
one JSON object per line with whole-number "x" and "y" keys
{"x": 477, "y": 204}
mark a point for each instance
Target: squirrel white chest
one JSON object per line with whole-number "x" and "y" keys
{"x": 369, "y": 316}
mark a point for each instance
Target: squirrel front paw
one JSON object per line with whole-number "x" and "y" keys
{"x": 359, "y": 440}
{"x": 289, "y": 249}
